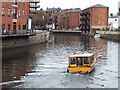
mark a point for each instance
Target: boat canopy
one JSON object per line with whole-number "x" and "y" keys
{"x": 82, "y": 55}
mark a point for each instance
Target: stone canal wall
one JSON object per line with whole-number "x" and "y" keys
{"x": 22, "y": 41}
{"x": 41, "y": 37}
{"x": 111, "y": 35}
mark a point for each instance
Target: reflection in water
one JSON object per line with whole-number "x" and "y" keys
{"x": 44, "y": 65}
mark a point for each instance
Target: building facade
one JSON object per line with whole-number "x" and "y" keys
{"x": 53, "y": 15}
{"x": 94, "y": 18}
{"x": 113, "y": 22}
{"x": 61, "y": 18}
{"x": 72, "y": 19}
{"x": 34, "y": 6}
{"x": 119, "y": 14}
{"x": 14, "y": 16}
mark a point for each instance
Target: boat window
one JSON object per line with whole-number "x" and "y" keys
{"x": 91, "y": 59}
{"x": 86, "y": 61}
{"x": 79, "y": 61}
{"x": 72, "y": 60}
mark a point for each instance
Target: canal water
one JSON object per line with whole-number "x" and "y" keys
{"x": 45, "y": 65}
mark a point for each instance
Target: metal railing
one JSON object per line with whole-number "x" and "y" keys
{"x": 18, "y": 33}
{"x": 34, "y": 1}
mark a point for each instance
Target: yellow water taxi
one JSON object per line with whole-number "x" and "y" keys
{"x": 81, "y": 63}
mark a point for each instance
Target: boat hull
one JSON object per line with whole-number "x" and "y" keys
{"x": 81, "y": 69}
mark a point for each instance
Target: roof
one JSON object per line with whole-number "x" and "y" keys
{"x": 97, "y": 5}
{"x": 82, "y": 55}
{"x": 52, "y": 9}
{"x": 74, "y": 10}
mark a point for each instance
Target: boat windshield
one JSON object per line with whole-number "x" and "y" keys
{"x": 72, "y": 60}
{"x": 92, "y": 59}
{"x": 79, "y": 61}
{"x": 86, "y": 61}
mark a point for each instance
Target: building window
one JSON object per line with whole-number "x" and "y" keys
{"x": 15, "y": 2}
{"x": 19, "y": 13}
{"x": 8, "y": 27}
{"x": 9, "y": 12}
{"x": 23, "y": 13}
{"x": 24, "y": 27}
{"x": 3, "y": 27}
{"x": 3, "y": 11}
{"x": 15, "y": 12}
{"x": 19, "y": 27}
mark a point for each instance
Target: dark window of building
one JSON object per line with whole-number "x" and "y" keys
{"x": 3, "y": 27}
{"x": 24, "y": 27}
{"x": 8, "y": 11}
{"x": 8, "y": 26}
{"x": 19, "y": 27}
{"x": 3, "y": 11}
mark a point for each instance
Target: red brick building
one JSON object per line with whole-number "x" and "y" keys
{"x": 72, "y": 19}
{"x": 53, "y": 15}
{"x": 61, "y": 18}
{"x": 14, "y": 16}
{"x": 94, "y": 18}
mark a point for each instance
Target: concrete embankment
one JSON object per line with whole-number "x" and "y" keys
{"x": 111, "y": 35}
{"x": 22, "y": 41}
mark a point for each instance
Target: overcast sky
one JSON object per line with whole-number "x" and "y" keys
{"x": 64, "y": 4}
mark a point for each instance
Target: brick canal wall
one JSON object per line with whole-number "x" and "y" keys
{"x": 22, "y": 41}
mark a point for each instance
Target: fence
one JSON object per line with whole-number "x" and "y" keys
{"x": 19, "y": 33}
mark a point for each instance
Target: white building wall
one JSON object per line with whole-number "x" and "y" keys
{"x": 119, "y": 14}
{"x": 113, "y": 23}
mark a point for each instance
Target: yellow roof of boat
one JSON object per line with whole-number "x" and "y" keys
{"x": 82, "y": 54}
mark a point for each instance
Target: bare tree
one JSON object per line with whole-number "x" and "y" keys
{"x": 40, "y": 19}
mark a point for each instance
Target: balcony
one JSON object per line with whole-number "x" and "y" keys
{"x": 34, "y": 1}
{"x": 34, "y": 6}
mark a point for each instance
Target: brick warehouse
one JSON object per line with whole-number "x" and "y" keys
{"x": 94, "y": 18}
{"x": 53, "y": 14}
{"x": 61, "y": 16}
{"x": 14, "y": 16}
{"x": 72, "y": 19}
